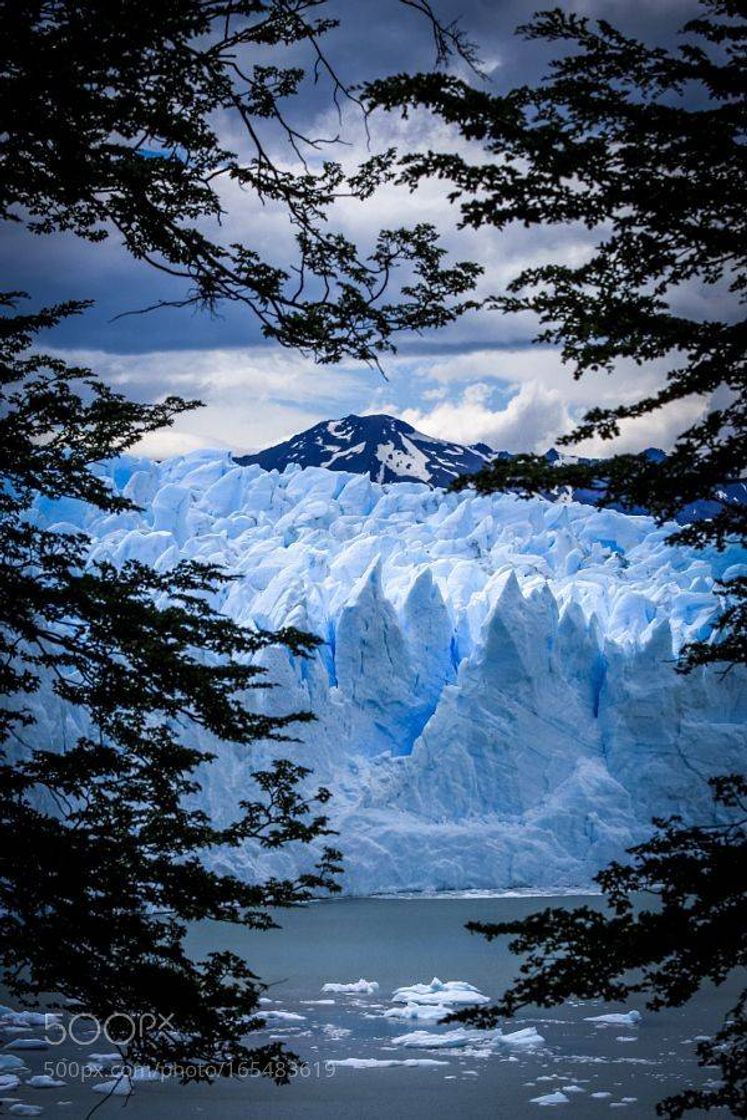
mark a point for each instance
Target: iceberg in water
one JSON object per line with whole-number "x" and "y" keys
{"x": 495, "y": 699}
{"x": 453, "y": 993}
{"x": 357, "y": 987}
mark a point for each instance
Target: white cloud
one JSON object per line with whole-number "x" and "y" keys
{"x": 530, "y": 421}
{"x": 253, "y": 397}
{"x": 518, "y": 399}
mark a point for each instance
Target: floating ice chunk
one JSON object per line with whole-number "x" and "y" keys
{"x": 111, "y": 1059}
{"x": 528, "y": 1038}
{"x": 9, "y": 1017}
{"x": 8, "y": 1082}
{"x": 424, "y": 1012}
{"x": 357, "y": 987}
{"x": 118, "y": 1087}
{"x": 27, "y": 1044}
{"x": 616, "y": 1019}
{"x": 600, "y": 1096}
{"x": 550, "y": 1099}
{"x": 452, "y": 993}
{"x": 21, "y": 1109}
{"x": 427, "y": 1040}
{"x": 9, "y": 1063}
{"x": 318, "y": 1002}
{"x": 283, "y": 1016}
{"x": 571, "y": 1089}
{"x": 44, "y": 1081}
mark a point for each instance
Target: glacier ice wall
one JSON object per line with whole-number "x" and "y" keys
{"x": 496, "y": 700}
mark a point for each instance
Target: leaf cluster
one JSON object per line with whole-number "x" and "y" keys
{"x": 104, "y": 854}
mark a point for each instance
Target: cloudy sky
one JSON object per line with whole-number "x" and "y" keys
{"x": 481, "y": 379}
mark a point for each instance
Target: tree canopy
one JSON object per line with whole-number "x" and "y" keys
{"x": 644, "y": 145}
{"x": 694, "y": 932}
{"x": 113, "y": 117}
{"x": 103, "y": 855}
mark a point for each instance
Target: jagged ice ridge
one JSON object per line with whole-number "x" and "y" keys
{"x": 495, "y": 695}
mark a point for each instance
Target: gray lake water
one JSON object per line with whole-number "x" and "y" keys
{"x": 398, "y": 941}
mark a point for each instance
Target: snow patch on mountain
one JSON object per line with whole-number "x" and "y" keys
{"x": 383, "y": 447}
{"x": 495, "y": 694}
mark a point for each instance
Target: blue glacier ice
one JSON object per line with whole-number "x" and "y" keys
{"x": 496, "y": 700}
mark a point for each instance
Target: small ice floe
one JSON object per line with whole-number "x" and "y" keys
{"x": 427, "y": 1040}
{"x": 383, "y": 1063}
{"x": 600, "y": 1096}
{"x": 9, "y": 1082}
{"x": 452, "y": 993}
{"x": 616, "y": 1019}
{"x": 26, "y": 1019}
{"x": 550, "y": 1099}
{"x": 335, "y": 1033}
{"x": 118, "y": 1087}
{"x": 424, "y": 1013}
{"x": 105, "y": 1061}
{"x": 9, "y": 1063}
{"x": 356, "y": 987}
{"x": 27, "y": 1044}
{"x": 626, "y": 1038}
{"x": 21, "y": 1109}
{"x": 318, "y": 1002}
{"x": 284, "y": 1016}
{"x": 44, "y": 1081}
{"x": 528, "y": 1038}
{"x": 432, "y": 1002}
{"x": 571, "y": 1089}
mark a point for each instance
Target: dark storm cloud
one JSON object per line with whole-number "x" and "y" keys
{"x": 375, "y": 37}
{"x": 478, "y": 380}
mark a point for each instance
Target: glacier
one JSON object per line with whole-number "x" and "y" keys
{"x": 495, "y": 694}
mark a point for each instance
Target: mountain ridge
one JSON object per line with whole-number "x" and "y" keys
{"x": 388, "y": 449}
{"x": 383, "y": 447}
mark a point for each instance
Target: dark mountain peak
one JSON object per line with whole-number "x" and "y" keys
{"x": 384, "y": 447}
{"x": 391, "y": 450}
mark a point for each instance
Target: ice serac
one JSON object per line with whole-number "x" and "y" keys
{"x": 495, "y": 696}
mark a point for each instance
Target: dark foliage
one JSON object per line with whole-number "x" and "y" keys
{"x": 694, "y": 933}
{"x": 101, "y": 848}
{"x": 646, "y": 145}
{"x": 109, "y": 118}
